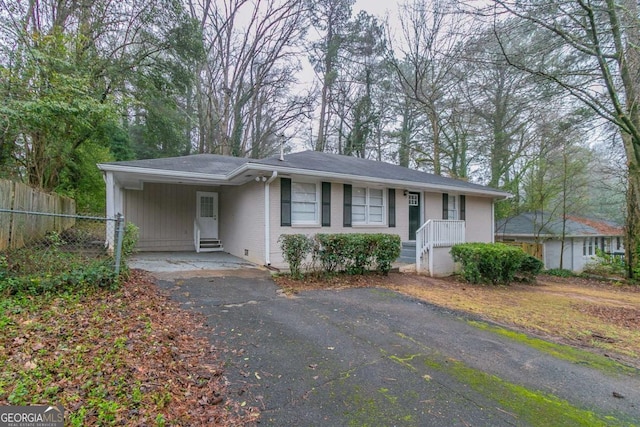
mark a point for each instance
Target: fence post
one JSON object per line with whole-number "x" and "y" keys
{"x": 119, "y": 237}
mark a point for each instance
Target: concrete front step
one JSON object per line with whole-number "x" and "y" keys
{"x": 407, "y": 253}
{"x": 211, "y": 245}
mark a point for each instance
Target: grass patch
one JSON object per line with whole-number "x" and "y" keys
{"x": 564, "y": 352}
{"x": 533, "y": 407}
{"x": 558, "y": 307}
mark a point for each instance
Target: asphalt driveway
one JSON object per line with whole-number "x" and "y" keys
{"x": 373, "y": 357}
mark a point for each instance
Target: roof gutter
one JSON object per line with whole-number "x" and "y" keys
{"x": 348, "y": 177}
{"x": 160, "y": 172}
{"x": 497, "y": 194}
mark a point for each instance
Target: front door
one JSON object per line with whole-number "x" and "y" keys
{"x": 207, "y": 214}
{"x": 414, "y": 214}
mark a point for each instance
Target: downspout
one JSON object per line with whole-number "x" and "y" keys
{"x": 493, "y": 222}
{"x": 267, "y": 219}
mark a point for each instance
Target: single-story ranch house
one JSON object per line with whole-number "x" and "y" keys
{"x": 583, "y": 236}
{"x": 207, "y": 202}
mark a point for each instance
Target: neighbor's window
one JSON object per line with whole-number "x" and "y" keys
{"x": 367, "y": 206}
{"x": 588, "y": 247}
{"x": 304, "y": 203}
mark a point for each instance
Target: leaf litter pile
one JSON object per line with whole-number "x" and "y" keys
{"x": 130, "y": 357}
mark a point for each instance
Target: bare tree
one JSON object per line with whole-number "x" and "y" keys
{"x": 253, "y": 48}
{"x": 588, "y": 48}
{"x": 429, "y": 50}
{"x": 329, "y": 18}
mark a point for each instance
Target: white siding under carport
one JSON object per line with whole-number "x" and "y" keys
{"x": 164, "y": 214}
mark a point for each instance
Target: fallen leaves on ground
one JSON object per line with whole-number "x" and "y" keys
{"x": 131, "y": 357}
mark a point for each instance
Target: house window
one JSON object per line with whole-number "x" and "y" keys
{"x": 414, "y": 199}
{"x": 367, "y": 206}
{"x": 453, "y": 207}
{"x": 304, "y": 203}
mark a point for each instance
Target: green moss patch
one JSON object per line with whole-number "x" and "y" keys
{"x": 560, "y": 351}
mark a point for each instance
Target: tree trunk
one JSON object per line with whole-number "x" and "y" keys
{"x": 629, "y": 64}
{"x": 632, "y": 229}
{"x": 435, "y": 128}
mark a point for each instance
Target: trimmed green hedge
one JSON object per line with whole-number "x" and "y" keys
{"x": 295, "y": 248}
{"x": 354, "y": 253}
{"x": 495, "y": 263}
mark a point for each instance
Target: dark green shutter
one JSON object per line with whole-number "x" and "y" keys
{"x": 346, "y": 208}
{"x": 392, "y": 207}
{"x": 445, "y": 206}
{"x": 463, "y": 208}
{"x": 326, "y": 204}
{"x": 285, "y": 202}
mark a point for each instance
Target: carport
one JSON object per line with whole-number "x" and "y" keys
{"x": 190, "y": 264}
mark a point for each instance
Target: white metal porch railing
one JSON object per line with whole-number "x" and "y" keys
{"x": 437, "y": 233}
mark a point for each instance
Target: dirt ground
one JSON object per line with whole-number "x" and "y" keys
{"x": 601, "y": 316}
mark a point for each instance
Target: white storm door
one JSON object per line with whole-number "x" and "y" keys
{"x": 207, "y": 214}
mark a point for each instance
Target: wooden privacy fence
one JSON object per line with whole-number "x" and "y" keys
{"x": 533, "y": 249}
{"x": 18, "y": 227}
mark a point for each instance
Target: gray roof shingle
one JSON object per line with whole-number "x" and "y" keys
{"x": 201, "y": 163}
{"x": 311, "y": 161}
{"x": 336, "y": 163}
{"x": 538, "y": 223}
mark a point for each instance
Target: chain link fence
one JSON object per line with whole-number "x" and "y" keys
{"x": 37, "y": 246}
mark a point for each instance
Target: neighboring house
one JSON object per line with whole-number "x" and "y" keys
{"x": 242, "y": 206}
{"x": 583, "y": 236}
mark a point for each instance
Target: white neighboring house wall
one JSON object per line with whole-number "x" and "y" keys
{"x": 573, "y": 258}
{"x": 551, "y": 251}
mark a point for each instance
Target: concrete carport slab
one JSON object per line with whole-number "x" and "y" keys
{"x": 173, "y": 265}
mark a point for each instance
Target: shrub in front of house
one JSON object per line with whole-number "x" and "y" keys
{"x": 295, "y": 249}
{"x": 330, "y": 251}
{"x": 494, "y": 263}
{"x": 387, "y": 250}
{"x": 530, "y": 267}
{"x": 357, "y": 253}
{"x": 606, "y": 265}
{"x": 354, "y": 253}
